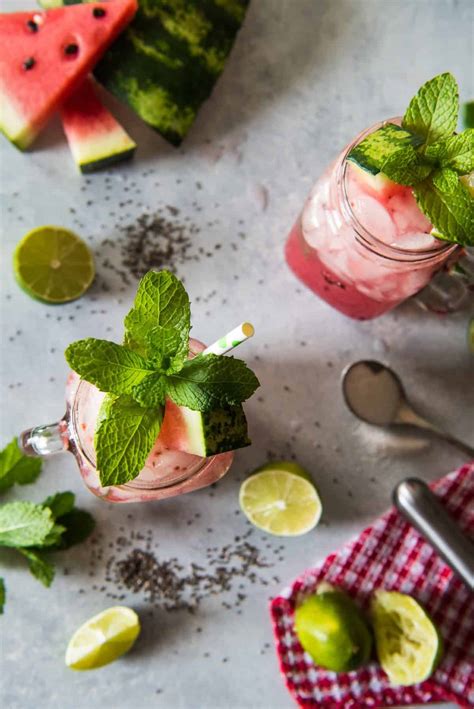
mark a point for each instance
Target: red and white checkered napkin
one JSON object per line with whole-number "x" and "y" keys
{"x": 391, "y": 555}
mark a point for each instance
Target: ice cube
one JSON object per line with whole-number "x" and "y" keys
{"x": 407, "y": 215}
{"x": 374, "y": 217}
{"x": 415, "y": 241}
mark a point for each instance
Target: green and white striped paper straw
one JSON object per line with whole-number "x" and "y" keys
{"x": 233, "y": 338}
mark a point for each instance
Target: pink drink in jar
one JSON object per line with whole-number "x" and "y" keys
{"x": 361, "y": 242}
{"x": 167, "y": 472}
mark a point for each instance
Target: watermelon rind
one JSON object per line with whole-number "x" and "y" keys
{"x": 204, "y": 433}
{"x": 95, "y": 137}
{"x": 13, "y": 124}
{"x": 110, "y": 159}
{"x": 166, "y": 62}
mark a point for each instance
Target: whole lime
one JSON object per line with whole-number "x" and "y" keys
{"x": 333, "y": 630}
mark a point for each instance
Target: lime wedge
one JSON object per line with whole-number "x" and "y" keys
{"x": 53, "y": 265}
{"x": 333, "y": 630}
{"x": 103, "y": 639}
{"x": 409, "y": 646}
{"x": 280, "y": 501}
{"x": 468, "y": 182}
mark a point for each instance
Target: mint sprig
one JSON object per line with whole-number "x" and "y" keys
{"x": 151, "y": 366}
{"x": 124, "y": 438}
{"x": 17, "y": 468}
{"x": 425, "y": 154}
{"x": 35, "y": 530}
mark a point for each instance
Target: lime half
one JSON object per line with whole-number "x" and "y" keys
{"x": 409, "y": 646}
{"x": 333, "y": 630}
{"x": 103, "y": 639}
{"x": 53, "y": 265}
{"x": 281, "y": 501}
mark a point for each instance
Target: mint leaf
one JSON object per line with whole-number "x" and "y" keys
{"x": 53, "y": 538}
{"x": 406, "y": 167}
{"x": 41, "y": 568}
{"x": 60, "y": 504}
{"x": 3, "y": 595}
{"x": 166, "y": 348}
{"x": 151, "y": 391}
{"x": 433, "y": 112}
{"x": 124, "y": 439}
{"x": 455, "y": 152}
{"x": 374, "y": 151}
{"x": 24, "y": 524}
{"x": 209, "y": 381}
{"x": 111, "y": 367}
{"x": 161, "y": 300}
{"x": 445, "y": 180}
{"x": 78, "y": 525}
{"x": 15, "y": 467}
{"x": 451, "y": 214}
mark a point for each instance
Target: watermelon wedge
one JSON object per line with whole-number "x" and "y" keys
{"x": 95, "y": 137}
{"x": 167, "y": 61}
{"x": 45, "y": 56}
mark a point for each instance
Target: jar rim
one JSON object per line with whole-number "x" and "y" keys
{"x": 363, "y": 235}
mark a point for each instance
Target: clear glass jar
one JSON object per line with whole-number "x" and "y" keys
{"x": 167, "y": 472}
{"x": 361, "y": 243}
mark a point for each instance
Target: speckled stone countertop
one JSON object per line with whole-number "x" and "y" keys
{"x": 304, "y": 77}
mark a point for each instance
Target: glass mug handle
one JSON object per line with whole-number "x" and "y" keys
{"x": 45, "y": 440}
{"x": 450, "y": 289}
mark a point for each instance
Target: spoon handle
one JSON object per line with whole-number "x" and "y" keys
{"x": 414, "y": 499}
{"x": 407, "y": 416}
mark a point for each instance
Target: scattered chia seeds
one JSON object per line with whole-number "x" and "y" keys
{"x": 168, "y": 584}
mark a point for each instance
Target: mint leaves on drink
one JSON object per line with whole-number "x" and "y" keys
{"x": 15, "y": 467}
{"x": 426, "y": 154}
{"x": 37, "y": 529}
{"x": 151, "y": 366}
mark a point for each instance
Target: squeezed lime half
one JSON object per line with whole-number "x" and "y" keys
{"x": 103, "y": 639}
{"x": 53, "y": 265}
{"x": 409, "y": 646}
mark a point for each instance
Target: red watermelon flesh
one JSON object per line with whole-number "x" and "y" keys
{"x": 95, "y": 137}
{"x": 45, "y": 55}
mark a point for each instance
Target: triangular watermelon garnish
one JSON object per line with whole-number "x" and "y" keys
{"x": 46, "y": 54}
{"x": 95, "y": 137}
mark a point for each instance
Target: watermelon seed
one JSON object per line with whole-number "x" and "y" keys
{"x": 29, "y": 63}
{"x": 98, "y": 12}
{"x": 32, "y": 26}
{"x": 71, "y": 49}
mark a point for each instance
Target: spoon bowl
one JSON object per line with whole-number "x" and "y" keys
{"x": 375, "y": 394}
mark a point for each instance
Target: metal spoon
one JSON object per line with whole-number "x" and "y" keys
{"x": 375, "y": 394}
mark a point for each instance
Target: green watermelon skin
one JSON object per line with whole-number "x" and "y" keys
{"x": 168, "y": 59}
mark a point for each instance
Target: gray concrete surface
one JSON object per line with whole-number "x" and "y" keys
{"x": 305, "y": 76}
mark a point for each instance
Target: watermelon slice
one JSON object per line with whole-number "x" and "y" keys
{"x": 45, "y": 56}
{"x": 203, "y": 433}
{"x": 167, "y": 61}
{"x": 95, "y": 137}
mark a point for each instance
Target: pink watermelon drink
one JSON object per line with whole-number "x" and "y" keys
{"x": 361, "y": 242}
{"x": 167, "y": 472}
{"x": 158, "y": 415}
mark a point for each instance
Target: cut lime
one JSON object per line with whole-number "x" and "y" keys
{"x": 53, "y": 265}
{"x": 408, "y": 644}
{"x": 333, "y": 630}
{"x": 468, "y": 182}
{"x": 103, "y": 639}
{"x": 280, "y": 501}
